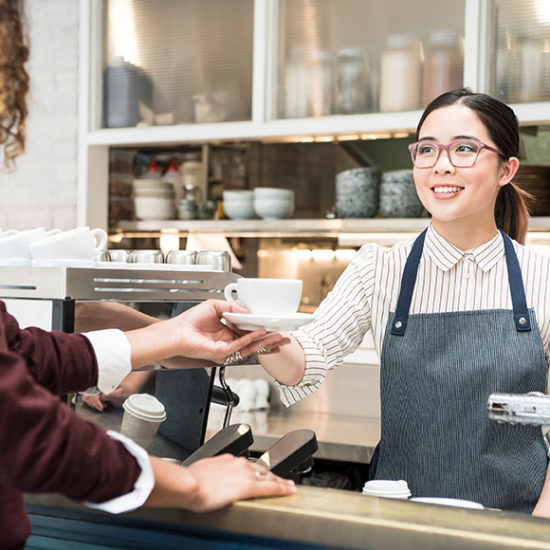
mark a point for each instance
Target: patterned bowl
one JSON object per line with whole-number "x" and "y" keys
{"x": 399, "y": 200}
{"x": 357, "y": 192}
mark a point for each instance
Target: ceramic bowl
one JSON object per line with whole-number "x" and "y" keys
{"x": 238, "y": 194}
{"x": 154, "y": 208}
{"x": 273, "y": 209}
{"x": 273, "y": 193}
{"x": 398, "y": 176}
{"x": 357, "y": 192}
{"x": 238, "y": 209}
{"x": 399, "y": 200}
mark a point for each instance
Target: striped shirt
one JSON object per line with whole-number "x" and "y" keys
{"x": 448, "y": 279}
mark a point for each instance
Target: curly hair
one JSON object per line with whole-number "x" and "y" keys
{"x": 14, "y": 80}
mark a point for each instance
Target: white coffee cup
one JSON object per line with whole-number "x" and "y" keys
{"x": 387, "y": 488}
{"x": 16, "y": 244}
{"x": 80, "y": 243}
{"x": 143, "y": 414}
{"x": 273, "y": 297}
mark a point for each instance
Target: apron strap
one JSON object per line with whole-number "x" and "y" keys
{"x": 515, "y": 280}
{"x": 407, "y": 286}
{"x": 517, "y": 291}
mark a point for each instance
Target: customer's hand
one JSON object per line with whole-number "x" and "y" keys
{"x": 203, "y": 335}
{"x": 199, "y": 334}
{"x": 213, "y": 483}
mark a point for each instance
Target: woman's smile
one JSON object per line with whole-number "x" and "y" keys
{"x": 445, "y": 191}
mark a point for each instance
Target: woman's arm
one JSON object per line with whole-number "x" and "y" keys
{"x": 288, "y": 365}
{"x": 542, "y": 509}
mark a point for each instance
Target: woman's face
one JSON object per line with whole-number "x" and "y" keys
{"x": 453, "y": 194}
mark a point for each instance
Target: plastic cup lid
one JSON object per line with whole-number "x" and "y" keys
{"x": 386, "y": 487}
{"x": 146, "y": 407}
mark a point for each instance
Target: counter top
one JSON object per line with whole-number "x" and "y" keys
{"x": 343, "y": 519}
{"x": 340, "y": 437}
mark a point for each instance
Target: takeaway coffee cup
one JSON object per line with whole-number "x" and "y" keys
{"x": 80, "y": 243}
{"x": 143, "y": 414}
{"x": 274, "y": 297}
{"x": 387, "y": 488}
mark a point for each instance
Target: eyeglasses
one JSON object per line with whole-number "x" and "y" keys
{"x": 462, "y": 153}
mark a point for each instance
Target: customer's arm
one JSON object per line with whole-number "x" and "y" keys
{"x": 212, "y": 483}
{"x": 47, "y": 448}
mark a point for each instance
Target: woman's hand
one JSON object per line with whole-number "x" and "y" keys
{"x": 133, "y": 383}
{"x": 213, "y": 483}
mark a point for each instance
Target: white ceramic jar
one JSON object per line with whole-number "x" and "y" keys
{"x": 400, "y": 75}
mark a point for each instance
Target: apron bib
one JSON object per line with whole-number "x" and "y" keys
{"x": 437, "y": 372}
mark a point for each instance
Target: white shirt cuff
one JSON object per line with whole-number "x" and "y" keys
{"x": 144, "y": 484}
{"x": 113, "y": 353}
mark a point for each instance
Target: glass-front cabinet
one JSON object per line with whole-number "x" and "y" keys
{"x": 172, "y": 62}
{"x": 199, "y": 73}
{"x": 520, "y": 51}
{"x": 348, "y": 57}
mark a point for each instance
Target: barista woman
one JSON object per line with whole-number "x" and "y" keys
{"x": 457, "y": 313}
{"x": 44, "y": 446}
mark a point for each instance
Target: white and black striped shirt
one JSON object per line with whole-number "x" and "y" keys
{"x": 448, "y": 280}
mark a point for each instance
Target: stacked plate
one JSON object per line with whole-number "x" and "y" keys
{"x": 153, "y": 199}
{"x": 536, "y": 181}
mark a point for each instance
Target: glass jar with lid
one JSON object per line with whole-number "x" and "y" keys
{"x": 351, "y": 82}
{"x": 320, "y": 84}
{"x": 400, "y": 75}
{"x": 443, "y": 64}
{"x": 296, "y": 85}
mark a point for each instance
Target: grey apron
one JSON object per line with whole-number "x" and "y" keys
{"x": 437, "y": 372}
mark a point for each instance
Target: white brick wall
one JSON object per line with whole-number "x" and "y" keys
{"x": 42, "y": 189}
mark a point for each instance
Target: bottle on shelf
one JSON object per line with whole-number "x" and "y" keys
{"x": 153, "y": 171}
{"x": 172, "y": 176}
{"x": 400, "y": 74}
{"x": 443, "y": 65}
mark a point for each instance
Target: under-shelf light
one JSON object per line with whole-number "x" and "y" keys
{"x": 322, "y": 255}
{"x": 348, "y": 137}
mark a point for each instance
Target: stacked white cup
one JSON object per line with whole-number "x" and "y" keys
{"x": 75, "y": 247}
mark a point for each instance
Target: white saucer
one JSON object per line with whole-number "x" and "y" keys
{"x": 247, "y": 321}
{"x": 449, "y": 502}
{"x": 63, "y": 263}
{"x": 14, "y": 261}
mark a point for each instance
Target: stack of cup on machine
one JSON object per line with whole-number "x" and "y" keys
{"x": 73, "y": 248}
{"x": 15, "y": 245}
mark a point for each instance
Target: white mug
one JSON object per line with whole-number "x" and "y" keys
{"x": 16, "y": 244}
{"x": 273, "y": 297}
{"x": 81, "y": 243}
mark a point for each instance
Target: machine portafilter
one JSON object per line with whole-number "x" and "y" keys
{"x": 530, "y": 409}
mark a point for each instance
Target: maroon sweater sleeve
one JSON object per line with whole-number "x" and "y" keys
{"x": 60, "y": 362}
{"x": 44, "y": 446}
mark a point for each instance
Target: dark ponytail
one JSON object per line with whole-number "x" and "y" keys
{"x": 511, "y": 214}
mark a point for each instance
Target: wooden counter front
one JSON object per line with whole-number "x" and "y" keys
{"x": 332, "y": 518}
